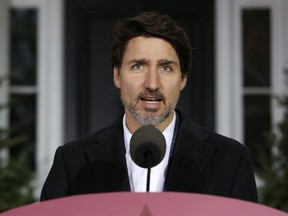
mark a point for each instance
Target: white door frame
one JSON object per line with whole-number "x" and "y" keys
{"x": 50, "y": 86}
{"x": 229, "y": 89}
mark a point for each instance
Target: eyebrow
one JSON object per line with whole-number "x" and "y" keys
{"x": 146, "y": 61}
{"x": 166, "y": 62}
{"x": 139, "y": 61}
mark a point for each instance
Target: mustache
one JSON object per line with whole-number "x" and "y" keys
{"x": 150, "y": 93}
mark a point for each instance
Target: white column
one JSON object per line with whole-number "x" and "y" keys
{"x": 50, "y": 86}
{"x": 278, "y": 52}
{"x": 4, "y": 67}
{"x": 227, "y": 79}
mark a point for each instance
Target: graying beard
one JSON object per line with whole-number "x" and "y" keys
{"x": 150, "y": 118}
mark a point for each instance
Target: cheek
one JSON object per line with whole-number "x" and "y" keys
{"x": 175, "y": 96}
{"x": 126, "y": 85}
{"x": 173, "y": 92}
{"x": 132, "y": 83}
{"x": 128, "y": 89}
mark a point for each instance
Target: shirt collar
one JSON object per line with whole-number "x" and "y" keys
{"x": 168, "y": 132}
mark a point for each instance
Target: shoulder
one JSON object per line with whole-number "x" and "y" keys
{"x": 209, "y": 136}
{"x": 92, "y": 139}
{"x": 224, "y": 143}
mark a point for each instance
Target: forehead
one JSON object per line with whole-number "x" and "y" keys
{"x": 150, "y": 48}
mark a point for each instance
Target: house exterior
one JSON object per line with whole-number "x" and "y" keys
{"x": 63, "y": 81}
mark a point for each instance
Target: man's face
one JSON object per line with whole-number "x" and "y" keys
{"x": 150, "y": 82}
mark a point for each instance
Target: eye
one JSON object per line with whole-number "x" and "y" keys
{"x": 166, "y": 68}
{"x": 137, "y": 67}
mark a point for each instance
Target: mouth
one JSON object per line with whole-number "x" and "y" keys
{"x": 149, "y": 99}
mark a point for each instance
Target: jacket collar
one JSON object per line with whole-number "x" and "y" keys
{"x": 109, "y": 148}
{"x": 190, "y": 157}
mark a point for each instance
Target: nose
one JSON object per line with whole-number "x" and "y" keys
{"x": 152, "y": 80}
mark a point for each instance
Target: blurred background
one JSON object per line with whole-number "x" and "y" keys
{"x": 56, "y": 82}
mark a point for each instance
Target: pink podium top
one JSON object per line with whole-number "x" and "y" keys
{"x": 144, "y": 204}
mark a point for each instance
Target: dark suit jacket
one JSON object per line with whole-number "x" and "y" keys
{"x": 202, "y": 162}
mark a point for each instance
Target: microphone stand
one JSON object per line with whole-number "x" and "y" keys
{"x": 148, "y": 161}
{"x": 148, "y": 179}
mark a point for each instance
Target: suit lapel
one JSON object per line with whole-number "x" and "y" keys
{"x": 108, "y": 155}
{"x": 189, "y": 160}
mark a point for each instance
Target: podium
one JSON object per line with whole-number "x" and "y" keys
{"x": 144, "y": 204}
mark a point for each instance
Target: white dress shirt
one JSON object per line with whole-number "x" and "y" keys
{"x": 138, "y": 175}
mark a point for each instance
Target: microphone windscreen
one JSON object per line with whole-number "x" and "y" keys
{"x": 147, "y": 146}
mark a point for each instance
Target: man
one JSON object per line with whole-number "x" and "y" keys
{"x": 151, "y": 60}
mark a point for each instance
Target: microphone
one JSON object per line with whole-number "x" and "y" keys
{"x": 147, "y": 148}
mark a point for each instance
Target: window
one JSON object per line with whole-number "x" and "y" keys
{"x": 31, "y": 53}
{"x": 23, "y": 75}
{"x": 256, "y": 73}
{"x": 250, "y": 67}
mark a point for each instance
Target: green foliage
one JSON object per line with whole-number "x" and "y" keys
{"x": 15, "y": 173}
{"x": 274, "y": 166}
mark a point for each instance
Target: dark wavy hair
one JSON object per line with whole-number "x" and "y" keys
{"x": 151, "y": 24}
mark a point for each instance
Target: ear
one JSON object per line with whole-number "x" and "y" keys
{"x": 183, "y": 82}
{"x": 117, "y": 81}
